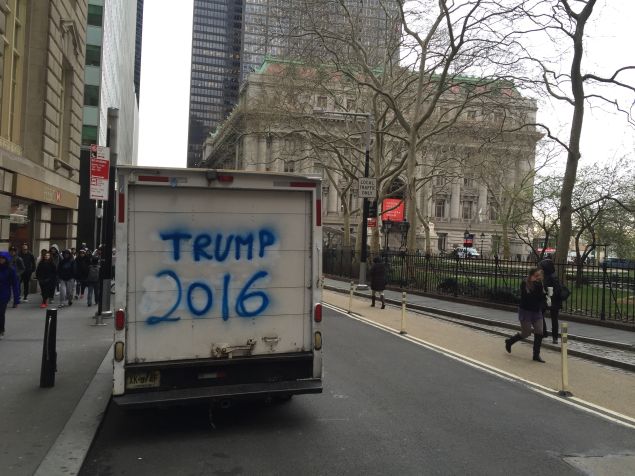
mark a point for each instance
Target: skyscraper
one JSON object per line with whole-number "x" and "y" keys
{"x": 231, "y": 38}
{"x": 137, "y": 49}
{"x": 216, "y": 52}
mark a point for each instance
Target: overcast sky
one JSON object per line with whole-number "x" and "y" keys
{"x": 165, "y": 73}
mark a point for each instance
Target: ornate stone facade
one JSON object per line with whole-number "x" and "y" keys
{"x": 305, "y": 125}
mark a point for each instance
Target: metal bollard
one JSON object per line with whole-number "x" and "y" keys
{"x": 403, "y": 314}
{"x": 49, "y": 350}
{"x": 565, "y": 364}
{"x": 350, "y": 298}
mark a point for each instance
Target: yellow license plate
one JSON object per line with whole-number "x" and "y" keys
{"x": 143, "y": 379}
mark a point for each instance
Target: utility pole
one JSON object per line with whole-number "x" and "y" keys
{"x": 363, "y": 265}
{"x": 364, "y": 236}
{"x": 108, "y": 222}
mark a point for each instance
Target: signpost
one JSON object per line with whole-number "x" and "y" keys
{"x": 367, "y": 187}
{"x": 99, "y": 172}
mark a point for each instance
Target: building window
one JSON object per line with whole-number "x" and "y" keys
{"x": 64, "y": 125}
{"x": 95, "y": 15}
{"x": 321, "y": 102}
{"x": 11, "y": 70}
{"x": 442, "y": 241}
{"x": 439, "y": 208}
{"x": 468, "y": 181}
{"x": 91, "y": 95}
{"x": 89, "y": 135}
{"x": 467, "y": 209}
{"x": 93, "y": 55}
{"x": 350, "y": 104}
{"x": 496, "y": 243}
{"x": 471, "y": 115}
{"x": 289, "y": 166}
{"x": 439, "y": 181}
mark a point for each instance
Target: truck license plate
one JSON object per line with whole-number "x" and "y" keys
{"x": 143, "y": 379}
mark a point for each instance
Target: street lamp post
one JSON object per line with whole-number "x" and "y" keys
{"x": 482, "y": 238}
{"x": 364, "y": 237}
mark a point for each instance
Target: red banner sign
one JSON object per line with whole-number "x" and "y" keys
{"x": 392, "y": 209}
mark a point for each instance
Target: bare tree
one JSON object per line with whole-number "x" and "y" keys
{"x": 564, "y": 23}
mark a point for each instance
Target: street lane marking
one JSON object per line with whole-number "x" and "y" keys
{"x": 583, "y": 405}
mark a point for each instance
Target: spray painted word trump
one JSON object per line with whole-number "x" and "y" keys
{"x": 209, "y": 275}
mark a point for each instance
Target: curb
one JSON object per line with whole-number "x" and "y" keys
{"x": 67, "y": 454}
{"x": 440, "y": 313}
{"x": 483, "y": 320}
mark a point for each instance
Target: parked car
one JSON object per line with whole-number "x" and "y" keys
{"x": 620, "y": 263}
{"x": 467, "y": 253}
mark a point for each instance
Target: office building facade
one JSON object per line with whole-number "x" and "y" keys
{"x": 109, "y": 83}
{"x": 214, "y": 81}
{"x": 42, "y": 57}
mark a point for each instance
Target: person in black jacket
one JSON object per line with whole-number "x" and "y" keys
{"x": 378, "y": 281}
{"x": 532, "y": 304}
{"x": 29, "y": 268}
{"x": 66, "y": 273}
{"x": 554, "y": 293}
{"x": 83, "y": 262}
{"x": 46, "y": 274}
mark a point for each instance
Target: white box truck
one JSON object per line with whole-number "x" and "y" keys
{"x": 217, "y": 291}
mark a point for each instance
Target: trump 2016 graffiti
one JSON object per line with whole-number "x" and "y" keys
{"x": 201, "y": 297}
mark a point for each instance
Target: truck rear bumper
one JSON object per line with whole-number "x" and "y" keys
{"x": 203, "y": 394}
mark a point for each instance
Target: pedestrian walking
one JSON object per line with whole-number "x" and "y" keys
{"x": 378, "y": 281}
{"x": 66, "y": 273}
{"x": 92, "y": 281}
{"x": 29, "y": 268}
{"x": 17, "y": 265}
{"x": 83, "y": 262}
{"x": 56, "y": 257}
{"x": 532, "y": 304}
{"x": 46, "y": 274}
{"x": 9, "y": 285}
{"x": 554, "y": 297}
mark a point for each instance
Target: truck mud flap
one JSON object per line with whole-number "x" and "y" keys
{"x": 203, "y": 394}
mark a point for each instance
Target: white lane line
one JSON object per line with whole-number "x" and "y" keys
{"x": 583, "y": 405}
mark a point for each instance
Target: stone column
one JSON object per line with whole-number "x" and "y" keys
{"x": 455, "y": 200}
{"x": 482, "y": 203}
{"x": 251, "y": 157}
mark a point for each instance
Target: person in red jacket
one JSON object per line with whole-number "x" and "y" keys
{"x": 9, "y": 285}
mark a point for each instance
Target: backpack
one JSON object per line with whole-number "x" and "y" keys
{"x": 93, "y": 274}
{"x": 564, "y": 293}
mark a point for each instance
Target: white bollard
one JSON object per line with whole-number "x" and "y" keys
{"x": 403, "y": 314}
{"x": 350, "y": 298}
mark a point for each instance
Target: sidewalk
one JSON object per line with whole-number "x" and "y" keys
{"x": 597, "y": 384}
{"x": 575, "y": 328}
{"x": 31, "y": 417}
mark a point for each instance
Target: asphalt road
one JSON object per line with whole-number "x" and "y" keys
{"x": 389, "y": 407}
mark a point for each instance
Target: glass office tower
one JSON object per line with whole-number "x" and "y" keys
{"x": 216, "y": 53}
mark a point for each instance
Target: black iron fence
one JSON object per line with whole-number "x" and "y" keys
{"x": 602, "y": 292}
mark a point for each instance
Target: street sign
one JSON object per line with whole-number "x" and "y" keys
{"x": 367, "y": 187}
{"x": 99, "y": 172}
{"x": 372, "y": 223}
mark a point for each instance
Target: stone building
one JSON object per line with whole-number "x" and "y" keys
{"x": 41, "y": 97}
{"x": 470, "y": 169}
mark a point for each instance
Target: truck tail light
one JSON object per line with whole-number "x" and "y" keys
{"x": 317, "y": 313}
{"x": 119, "y": 351}
{"x": 317, "y": 340}
{"x": 120, "y": 319}
{"x": 225, "y": 178}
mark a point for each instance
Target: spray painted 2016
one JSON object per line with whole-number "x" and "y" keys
{"x": 238, "y": 263}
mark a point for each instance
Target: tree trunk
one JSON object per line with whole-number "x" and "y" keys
{"x": 505, "y": 240}
{"x": 573, "y": 155}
